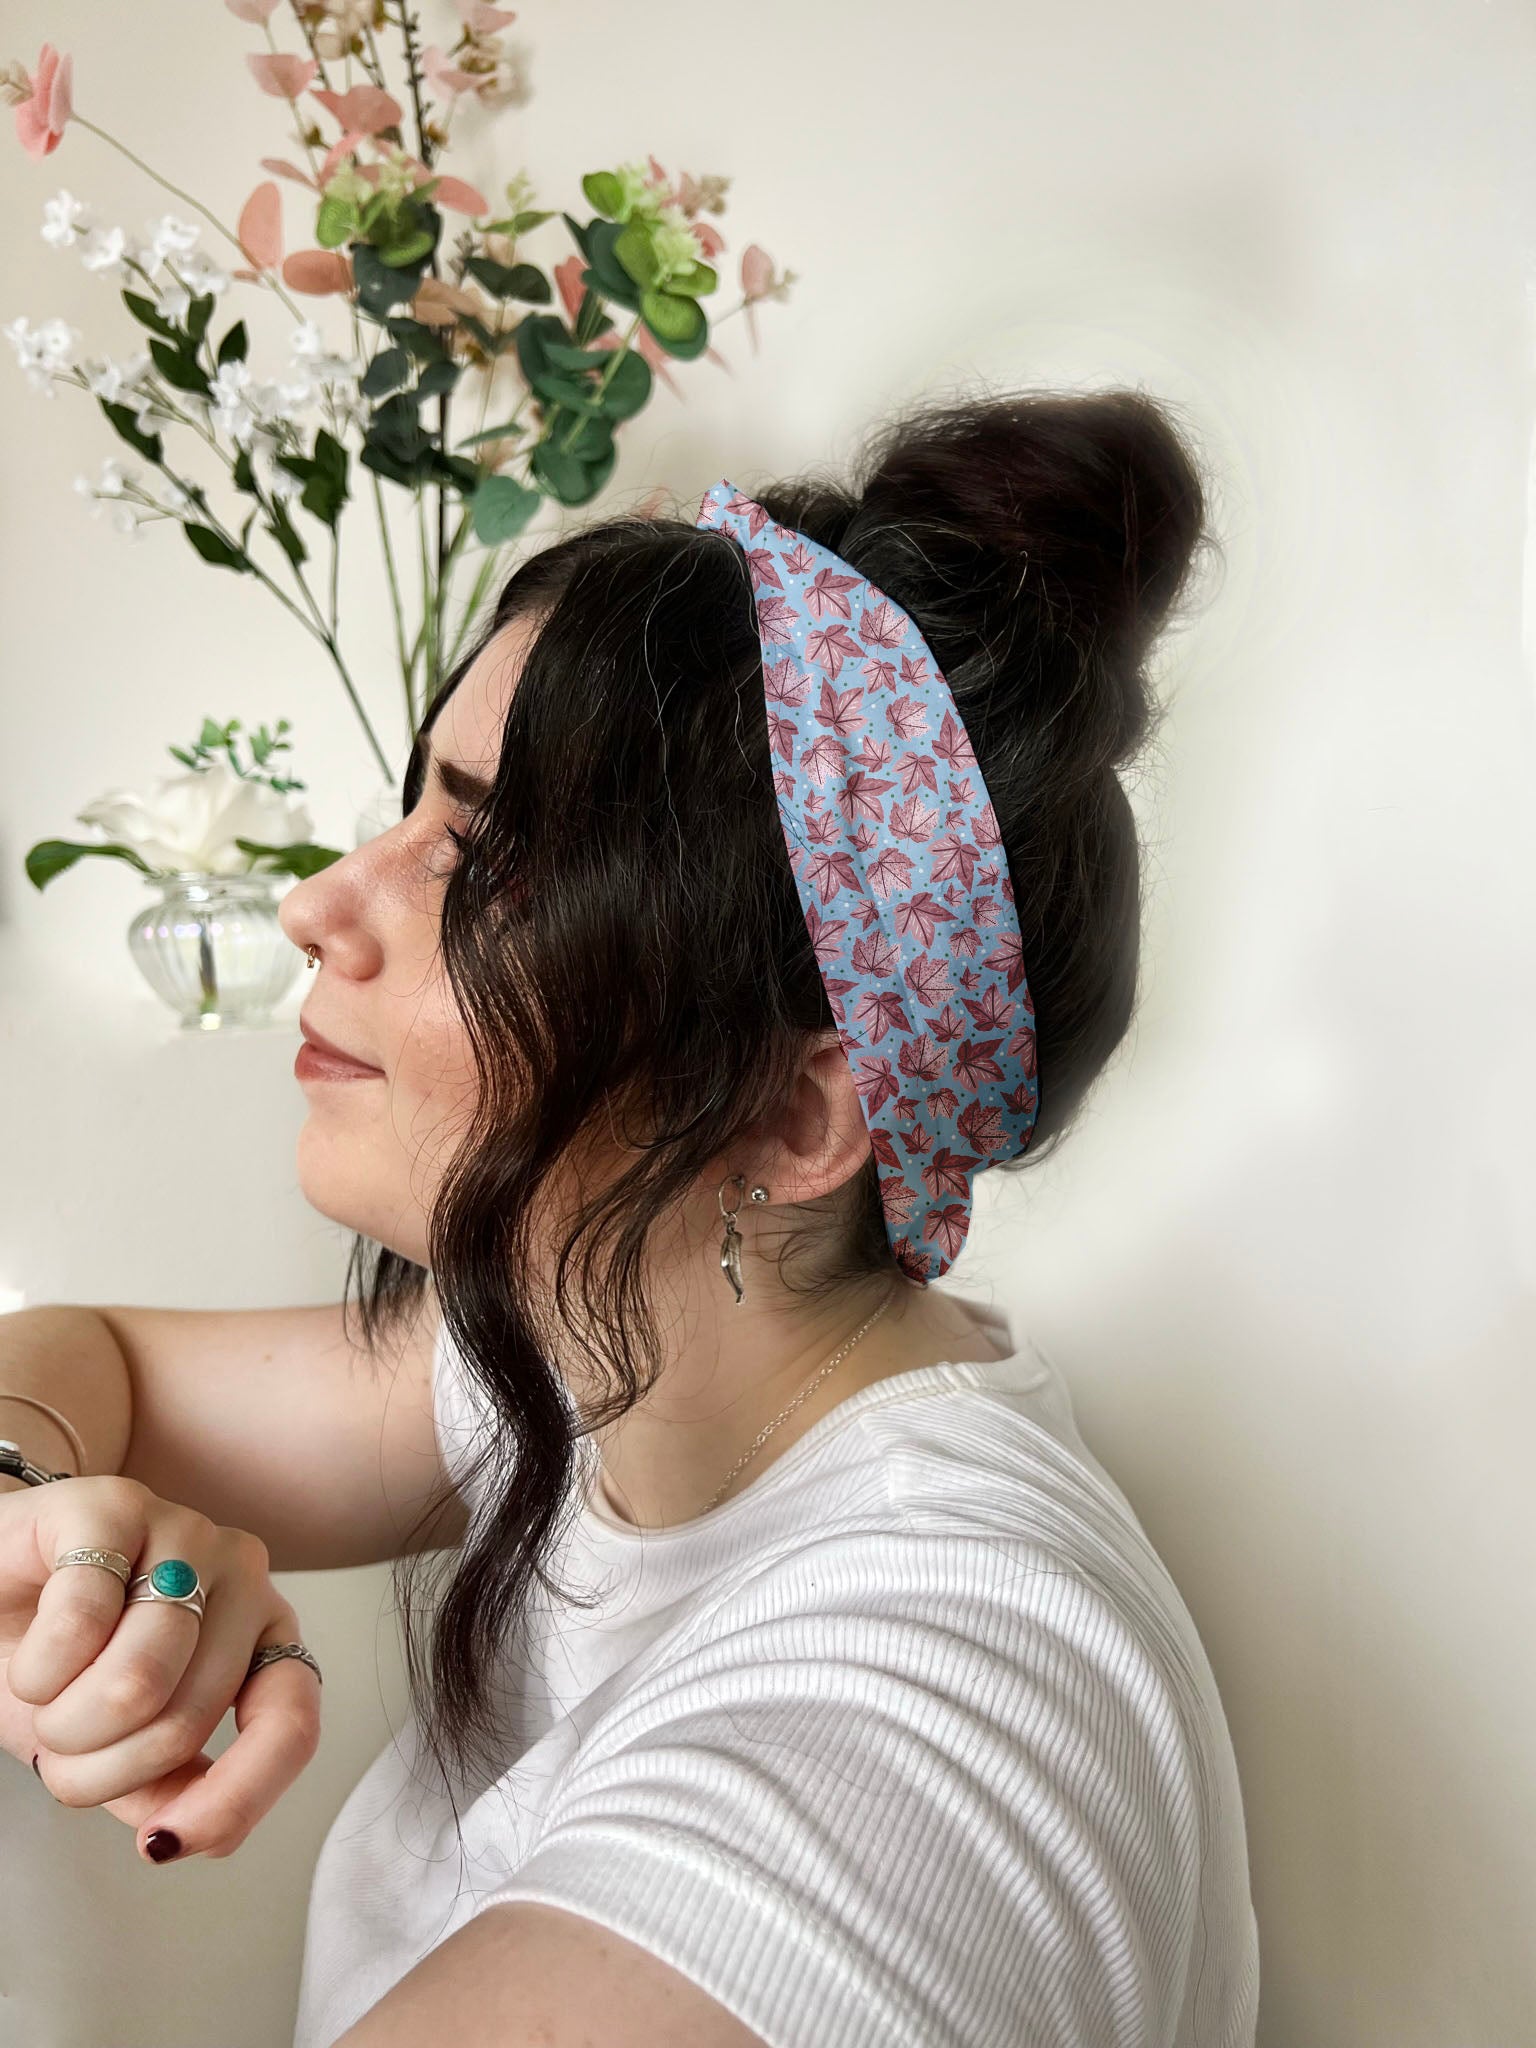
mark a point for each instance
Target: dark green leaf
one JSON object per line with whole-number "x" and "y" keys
{"x": 380, "y": 287}
{"x": 629, "y": 387}
{"x": 282, "y": 530}
{"x": 148, "y": 314}
{"x": 387, "y": 372}
{"x": 300, "y": 860}
{"x": 423, "y": 342}
{"x": 455, "y": 470}
{"x": 179, "y": 369}
{"x": 511, "y": 280}
{"x": 126, "y": 426}
{"x": 244, "y": 475}
{"x": 199, "y": 313}
{"x": 438, "y": 379}
{"x": 232, "y": 349}
{"x": 50, "y": 857}
{"x": 214, "y": 548}
{"x": 326, "y": 490}
{"x": 510, "y": 427}
{"x": 383, "y": 463}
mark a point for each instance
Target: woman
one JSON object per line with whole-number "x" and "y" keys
{"x": 802, "y": 1677}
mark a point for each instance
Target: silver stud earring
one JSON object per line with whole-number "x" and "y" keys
{"x": 730, "y": 1247}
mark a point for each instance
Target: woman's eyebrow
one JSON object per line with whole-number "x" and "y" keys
{"x": 464, "y": 788}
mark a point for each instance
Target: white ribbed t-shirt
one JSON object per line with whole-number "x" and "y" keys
{"x": 912, "y": 1743}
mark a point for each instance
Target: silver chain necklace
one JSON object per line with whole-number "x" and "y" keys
{"x": 763, "y": 1434}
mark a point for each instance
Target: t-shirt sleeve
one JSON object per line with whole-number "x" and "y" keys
{"x": 900, "y": 1788}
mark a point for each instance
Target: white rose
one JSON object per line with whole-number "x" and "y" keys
{"x": 194, "y": 819}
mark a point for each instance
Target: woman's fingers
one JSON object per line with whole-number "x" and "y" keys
{"x": 78, "y": 1606}
{"x": 90, "y": 1772}
{"x": 131, "y": 1681}
{"x": 277, "y": 1724}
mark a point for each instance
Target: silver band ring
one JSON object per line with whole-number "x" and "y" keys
{"x": 87, "y": 1553}
{"x": 271, "y": 1653}
{"x": 173, "y": 1582}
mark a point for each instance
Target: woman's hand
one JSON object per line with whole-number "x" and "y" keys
{"x": 117, "y": 1706}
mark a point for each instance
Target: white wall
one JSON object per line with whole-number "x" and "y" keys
{"x": 1288, "y": 1264}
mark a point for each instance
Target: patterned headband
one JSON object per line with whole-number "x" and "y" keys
{"x": 902, "y": 876}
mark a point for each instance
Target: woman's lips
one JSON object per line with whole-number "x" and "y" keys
{"x": 311, "y": 1064}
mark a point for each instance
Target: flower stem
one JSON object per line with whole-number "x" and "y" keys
{"x": 187, "y": 199}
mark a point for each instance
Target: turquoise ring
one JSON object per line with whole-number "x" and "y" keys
{"x": 173, "y": 1582}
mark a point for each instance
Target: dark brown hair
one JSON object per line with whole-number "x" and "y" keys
{"x": 625, "y": 939}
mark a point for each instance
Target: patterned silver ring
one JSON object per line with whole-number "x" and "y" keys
{"x": 87, "y": 1553}
{"x": 272, "y": 1651}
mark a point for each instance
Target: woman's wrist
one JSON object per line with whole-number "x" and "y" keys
{"x": 42, "y": 1439}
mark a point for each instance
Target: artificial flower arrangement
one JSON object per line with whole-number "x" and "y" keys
{"x": 457, "y": 384}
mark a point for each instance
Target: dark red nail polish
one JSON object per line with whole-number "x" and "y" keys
{"x": 161, "y": 1844}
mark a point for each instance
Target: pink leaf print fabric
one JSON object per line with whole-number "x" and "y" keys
{"x": 894, "y": 847}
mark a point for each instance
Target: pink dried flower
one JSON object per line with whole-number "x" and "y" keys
{"x": 42, "y": 118}
{"x": 282, "y": 76}
{"x": 481, "y": 19}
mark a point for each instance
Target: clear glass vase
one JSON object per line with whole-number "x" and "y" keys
{"x": 212, "y": 948}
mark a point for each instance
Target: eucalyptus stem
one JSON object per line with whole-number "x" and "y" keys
{"x": 186, "y": 197}
{"x": 407, "y": 663}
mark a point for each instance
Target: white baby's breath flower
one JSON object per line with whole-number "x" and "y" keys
{"x": 307, "y": 340}
{"x": 229, "y": 404}
{"x": 114, "y": 380}
{"x": 169, "y": 236}
{"x": 103, "y": 251}
{"x": 114, "y": 477}
{"x": 65, "y": 219}
{"x": 43, "y": 352}
{"x": 192, "y": 821}
{"x": 172, "y": 300}
{"x": 200, "y": 274}
{"x": 126, "y": 519}
{"x": 170, "y": 494}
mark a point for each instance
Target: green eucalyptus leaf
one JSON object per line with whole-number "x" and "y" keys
{"x": 412, "y": 248}
{"x": 564, "y": 357}
{"x": 438, "y": 379}
{"x": 629, "y": 388}
{"x": 336, "y": 222}
{"x": 610, "y": 278}
{"x": 501, "y": 508}
{"x": 511, "y": 280}
{"x": 635, "y": 250}
{"x": 604, "y": 190}
{"x": 421, "y": 341}
{"x": 456, "y": 471}
{"x": 381, "y": 286}
{"x": 694, "y": 281}
{"x": 491, "y": 434}
{"x": 390, "y": 368}
{"x": 676, "y": 323}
